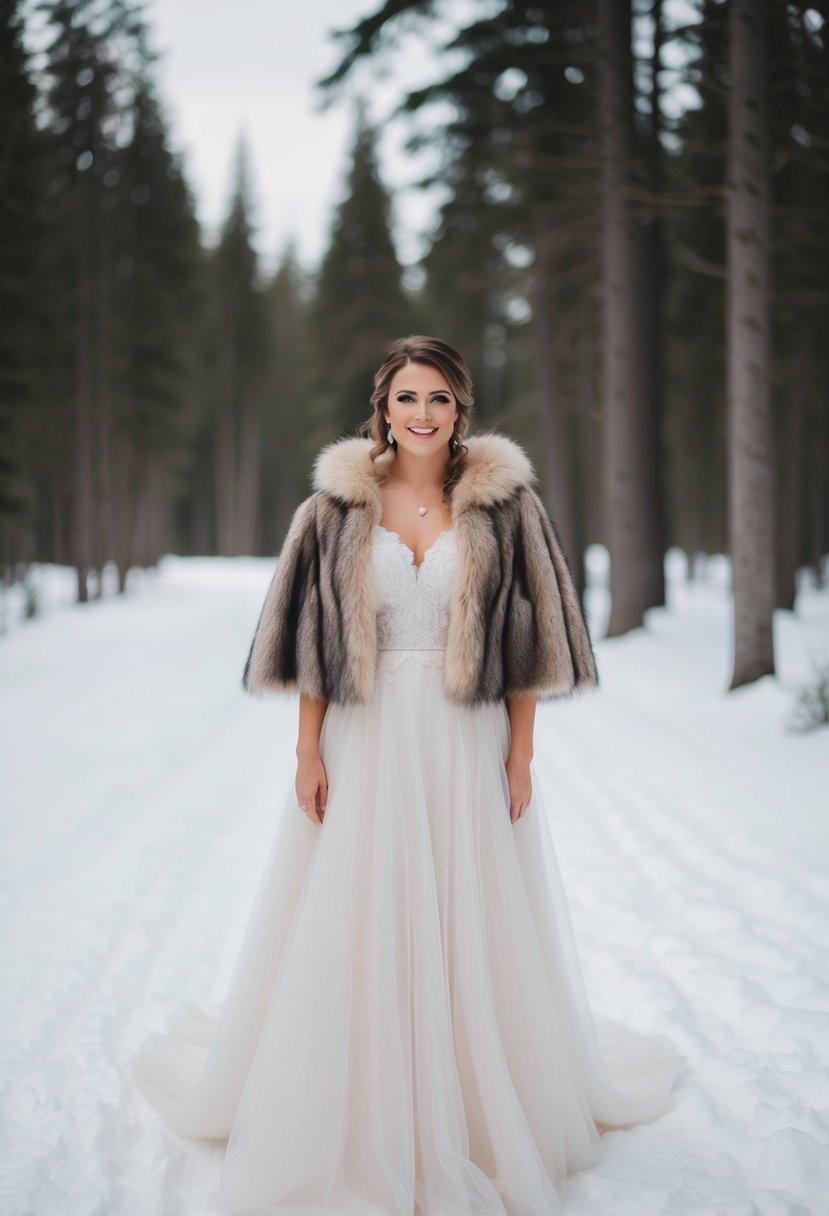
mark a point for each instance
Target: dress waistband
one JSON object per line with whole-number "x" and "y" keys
{"x": 384, "y": 649}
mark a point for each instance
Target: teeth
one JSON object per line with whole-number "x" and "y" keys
{"x": 423, "y": 430}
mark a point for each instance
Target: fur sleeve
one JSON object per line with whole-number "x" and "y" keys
{"x": 566, "y": 662}
{"x": 280, "y": 659}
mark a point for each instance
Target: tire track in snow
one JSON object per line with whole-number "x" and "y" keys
{"x": 683, "y": 915}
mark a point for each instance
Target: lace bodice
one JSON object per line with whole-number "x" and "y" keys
{"x": 413, "y": 601}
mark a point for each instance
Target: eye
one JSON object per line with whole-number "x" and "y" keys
{"x": 441, "y": 400}
{"x": 405, "y": 397}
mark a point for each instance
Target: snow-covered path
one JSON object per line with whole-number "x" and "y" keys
{"x": 140, "y": 790}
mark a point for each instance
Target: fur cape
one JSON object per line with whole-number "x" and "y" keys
{"x": 515, "y": 620}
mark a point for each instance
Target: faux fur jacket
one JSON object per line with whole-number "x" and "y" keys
{"x": 515, "y": 622}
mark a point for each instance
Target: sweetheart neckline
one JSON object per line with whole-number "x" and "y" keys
{"x": 415, "y": 566}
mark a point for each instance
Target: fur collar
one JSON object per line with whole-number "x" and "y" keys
{"x": 496, "y": 467}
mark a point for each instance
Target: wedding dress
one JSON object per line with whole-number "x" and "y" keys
{"x": 406, "y": 1032}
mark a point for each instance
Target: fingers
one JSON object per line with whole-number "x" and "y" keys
{"x": 313, "y": 803}
{"x": 321, "y": 799}
{"x": 518, "y": 806}
{"x": 308, "y": 805}
{"x": 518, "y": 787}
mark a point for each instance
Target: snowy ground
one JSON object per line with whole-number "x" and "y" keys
{"x": 140, "y": 787}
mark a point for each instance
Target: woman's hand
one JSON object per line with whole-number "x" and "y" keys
{"x": 312, "y": 785}
{"x": 521, "y": 710}
{"x": 520, "y": 785}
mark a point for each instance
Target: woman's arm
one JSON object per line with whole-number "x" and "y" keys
{"x": 521, "y": 712}
{"x": 311, "y": 779}
{"x": 289, "y": 613}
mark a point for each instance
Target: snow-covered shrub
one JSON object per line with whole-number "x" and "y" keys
{"x": 811, "y": 708}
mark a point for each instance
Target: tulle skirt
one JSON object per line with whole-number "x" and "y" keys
{"x": 406, "y": 1032}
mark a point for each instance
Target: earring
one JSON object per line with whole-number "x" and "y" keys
{"x": 389, "y": 435}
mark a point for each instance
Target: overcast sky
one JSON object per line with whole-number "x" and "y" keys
{"x": 250, "y": 67}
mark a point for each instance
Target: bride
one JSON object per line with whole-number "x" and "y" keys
{"x": 407, "y": 1032}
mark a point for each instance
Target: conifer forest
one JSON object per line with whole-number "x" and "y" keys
{"x": 632, "y": 253}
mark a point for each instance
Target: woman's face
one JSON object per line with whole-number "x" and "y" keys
{"x": 419, "y": 397}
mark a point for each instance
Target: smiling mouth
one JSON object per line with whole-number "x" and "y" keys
{"x": 423, "y": 432}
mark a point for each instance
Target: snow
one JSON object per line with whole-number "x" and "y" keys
{"x": 140, "y": 789}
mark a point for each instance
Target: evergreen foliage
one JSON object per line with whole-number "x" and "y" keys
{"x": 285, "y": 478}
{"x": 22, "y": 181}
{"x": 359, "y": 306}
{"x": 157, "y": 394}
{"x": 239, "y": 370}
{"x": 525, "y": 155}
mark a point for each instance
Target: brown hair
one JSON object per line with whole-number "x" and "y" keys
{"x": 420, "y": 348}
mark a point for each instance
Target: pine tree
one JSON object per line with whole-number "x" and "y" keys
{"x": 240, "y": 372}
{"x": 123, "y": 293}
{"x": 359, "y": 306}
{"x": 91, "y": 57}
{"x": 160, "y": 304}
{"x": 796, "y": 78}
{"x": 624, "y": 352}
{"x": 799, "y": 123}
{"x": 286, "y": 416}
{"x": 22, "y": 175}
{"x": 511, "y": 276}
{"x": 695, "y": 309}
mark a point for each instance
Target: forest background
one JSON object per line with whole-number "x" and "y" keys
{"x": 640, "y": 288}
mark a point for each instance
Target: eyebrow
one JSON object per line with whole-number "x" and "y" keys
{"x": 414, "y": 390}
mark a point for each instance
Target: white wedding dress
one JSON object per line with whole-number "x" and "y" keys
{"x": 406, "y": 1032}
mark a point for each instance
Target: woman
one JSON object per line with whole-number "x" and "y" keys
{"x": 407, "y": 1029}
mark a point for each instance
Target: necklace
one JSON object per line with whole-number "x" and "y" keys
{"x": 424, "y": 507}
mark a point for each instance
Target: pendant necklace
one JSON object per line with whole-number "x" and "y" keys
{"x": 421, "y": 510}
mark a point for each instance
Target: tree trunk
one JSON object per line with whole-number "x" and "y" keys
{"x": 82, "y": 506}
{"x": 818, "y": 481}
{"x": 623, "y": 447}
{"x": 248, "y": 472}
{"x": 790, "y": 469}
{"x": 127, "y": 476}
{"x": 751, "y": 517}
{"x": 557, "y": 457}
{"x": 225, "y": 458}
{"x": 650, "y": 281}
{"x": 104, "y": 402}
